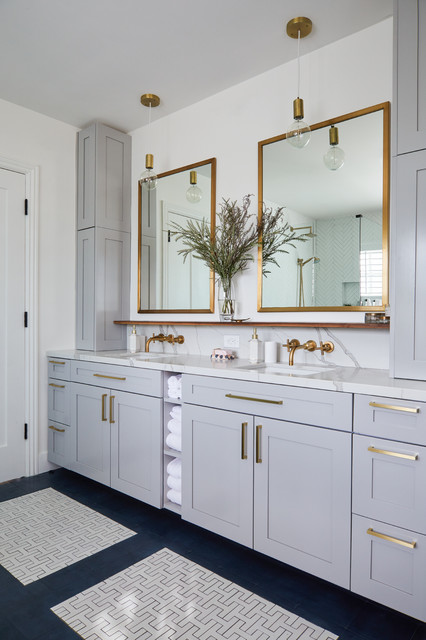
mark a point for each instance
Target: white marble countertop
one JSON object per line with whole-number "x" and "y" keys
{"x": 347, "y": 379}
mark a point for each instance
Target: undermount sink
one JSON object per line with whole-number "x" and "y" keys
{"x": 143, "y": 355}
{"x": 284, "y": 369}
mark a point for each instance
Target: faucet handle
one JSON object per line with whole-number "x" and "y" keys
{"x": 291, "y": 344}
{"x": 326, "y": 347}
{"x": 310, "y": 345}
{"x": 180, "y": 339}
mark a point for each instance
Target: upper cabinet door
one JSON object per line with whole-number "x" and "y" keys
{"x": 410, "y": 85}
{"x": 104, "y": 161}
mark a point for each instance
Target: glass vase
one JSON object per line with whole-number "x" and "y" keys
{"x": 226, "y": 300}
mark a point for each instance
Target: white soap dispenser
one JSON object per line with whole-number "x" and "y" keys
{"x": 133, "y": 341}
{"x": 254, "y": 347}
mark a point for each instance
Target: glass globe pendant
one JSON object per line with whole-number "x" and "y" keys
{"x": 335, "y": 156}
{"x": 194, "y": 193}
{"x": 148, "y": 178}
{"x": 298, "y": 133}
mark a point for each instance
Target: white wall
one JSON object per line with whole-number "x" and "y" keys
{"x": 32, "y": 139}
{"x": 350, "y": 74}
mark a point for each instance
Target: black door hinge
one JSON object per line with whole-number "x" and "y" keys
{"x": 26, "y": 431}
{"x": 26, "y": 319}
{"x": 168, "y": 236}
{"x": 26, "y": 206}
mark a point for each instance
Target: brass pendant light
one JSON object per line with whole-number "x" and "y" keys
{"x": 148, "y": 178}
{"x": 335, "y": 156}
{"x": 299, "y": 133}
{"x": 194, "y": 193}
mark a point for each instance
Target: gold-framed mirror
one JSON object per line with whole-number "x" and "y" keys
{"x": 167, "y": 283}
{"x": 344, "y": 214}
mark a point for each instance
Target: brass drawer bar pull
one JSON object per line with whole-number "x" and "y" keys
{"x": 231, "y": 395}
{"x": 394, "y": 407}
{"x": 244, "y": 426}
{"x": 56, "y": 428}
{"x": 258, "y": 433}
{"x": 99, "y": 375}
{"x": 407, "y": 456}
{"x": 104, "y": 395}
{"x": 55, "y": 362}
{"x": 57, "y": 386}
{"x": 111, "y": 410}
{"x": 410, "y": 545}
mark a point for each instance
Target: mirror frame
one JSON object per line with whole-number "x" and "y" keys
{"x": 385, "y": 107}
{"x": 188, "y": 167}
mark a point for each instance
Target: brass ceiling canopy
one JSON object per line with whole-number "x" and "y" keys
{"x": 150, "y": 100}
{"x": 296, "y": 25}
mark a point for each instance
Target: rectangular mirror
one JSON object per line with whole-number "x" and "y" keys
{"x": 166, "y": 283}
{"x": 343, "y": 264}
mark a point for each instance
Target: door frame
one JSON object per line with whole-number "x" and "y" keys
{"x": 31, "y": 173}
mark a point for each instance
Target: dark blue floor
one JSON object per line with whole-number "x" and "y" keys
{"x": 25, "y": 610}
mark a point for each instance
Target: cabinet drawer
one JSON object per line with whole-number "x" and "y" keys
{"x": 403, "y": 420}
{"x": 143, "y": 381}
{"x": 389, "y": 482}
{"x": 59, "y": 368}
{"x": 58, "y": 443}
{"x": 389, "y": 571}
{"x": 59, "y": 401}
{"x": 294, "y": 404}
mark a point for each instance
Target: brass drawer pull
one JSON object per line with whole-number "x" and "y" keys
{"x": 99, "y": 375}
{"x": 394, "y": 407}
{"x": 55, "y": 362}
{"x": 244, "y": 426}
{"x": 56, "y": 428}
{"x": 111, "y": 409}
{"x": 57, "y": 386}
{"x": 407, "y": 456}
{"x": 104, "y": 395}
{"x": 231, "y": 395}
{"x": 410, "y": 545}
{"x": 258, "y": 432}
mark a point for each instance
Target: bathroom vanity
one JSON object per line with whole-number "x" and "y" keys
{"x": 322, "y": 468}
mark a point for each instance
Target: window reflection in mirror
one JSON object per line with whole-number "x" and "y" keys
{"x": 343, "y": 265}
{"x": 167, "y": 283}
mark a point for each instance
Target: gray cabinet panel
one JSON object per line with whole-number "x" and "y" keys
{"x": 389, "y": 482}
{"x": 302, "y": 505}
{"x": 136, "y": 446}
{"x": 390, "y": 418}
{"x": 59, "y": 400}
{"x": 143, "y": 381}
{"x": 58, "y": 443}
{"x": 85, "y": 338}
{"x": 388, "y": 571}
{"x": 59, "y": 368}
{"x": 217, "y": 472}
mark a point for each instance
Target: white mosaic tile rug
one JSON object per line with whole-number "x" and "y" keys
{"x": 45, "y": 531}
{"x": 169, "y": 597}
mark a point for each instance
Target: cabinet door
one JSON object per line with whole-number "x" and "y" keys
{"x": 217, "y": 471}
{"x": 410, "y": 56}
{"x": 58, "y": 400}
{"x": 58, "y": 444}
{"x": 90, "y": 432}
{"x": 136, "y": 445}
{"x": 409, "y": 309}
{"x": 302, "y": 497}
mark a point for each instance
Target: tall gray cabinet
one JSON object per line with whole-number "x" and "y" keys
{"x": 409, "y": 191}
{"x": 103, "y": 237}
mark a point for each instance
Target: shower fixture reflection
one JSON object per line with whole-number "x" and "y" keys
{"x": 301, "y": 263}
{"x": 310, "y": 233}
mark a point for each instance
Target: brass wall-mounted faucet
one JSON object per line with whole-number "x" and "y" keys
{"x": 163, "y": 338}
{"x": 310, "y": 345}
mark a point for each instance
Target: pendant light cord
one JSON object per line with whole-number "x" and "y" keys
{"x": 298, "y": 63}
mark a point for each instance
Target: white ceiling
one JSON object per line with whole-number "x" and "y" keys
{"x": 84, "y": 60}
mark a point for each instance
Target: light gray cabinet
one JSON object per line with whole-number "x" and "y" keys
{"x": 103, "y": 237}
{"x": 58, "y": 434}
{"x": 410, "y": 75}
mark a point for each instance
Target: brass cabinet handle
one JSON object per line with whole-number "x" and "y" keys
{"x": 258, "y": 432}
{"x": 231, "y": 395}
{"x": 56, "y": 428}
{"x": 104, "y": 395}
{"x": 100, "y": 375}
{"x": 111, "y": 409}
{"x": 394, "y": 407}
{"x": 407, "y": 456}
{"x": 58, "y": 386}
{"x": 410, "y": 545}
{"x": 55, "y": 362}
{"x": 244, "y": 426}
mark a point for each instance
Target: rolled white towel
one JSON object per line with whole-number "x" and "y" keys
{"x": 176, "y": 412}
{"x": 175, "y": 426}
{"x": 174, "y": 380}
{"x": 174, "y": 483}
{"x": 174, "y": 385}
{"x": 174, "y": 441}
{"x": 174, "y": 468}
{"x": 174, "y": 496}
{"x": 176, "y": 394}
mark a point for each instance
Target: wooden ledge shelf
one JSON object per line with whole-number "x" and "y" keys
{"x": 226, "y": 325}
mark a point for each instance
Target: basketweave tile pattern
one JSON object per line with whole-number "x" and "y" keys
{"x": 45, "y": 531}
{"x": 169, "y": 597}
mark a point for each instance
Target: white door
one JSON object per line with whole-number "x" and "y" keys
{"x": 12, "y": 336}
